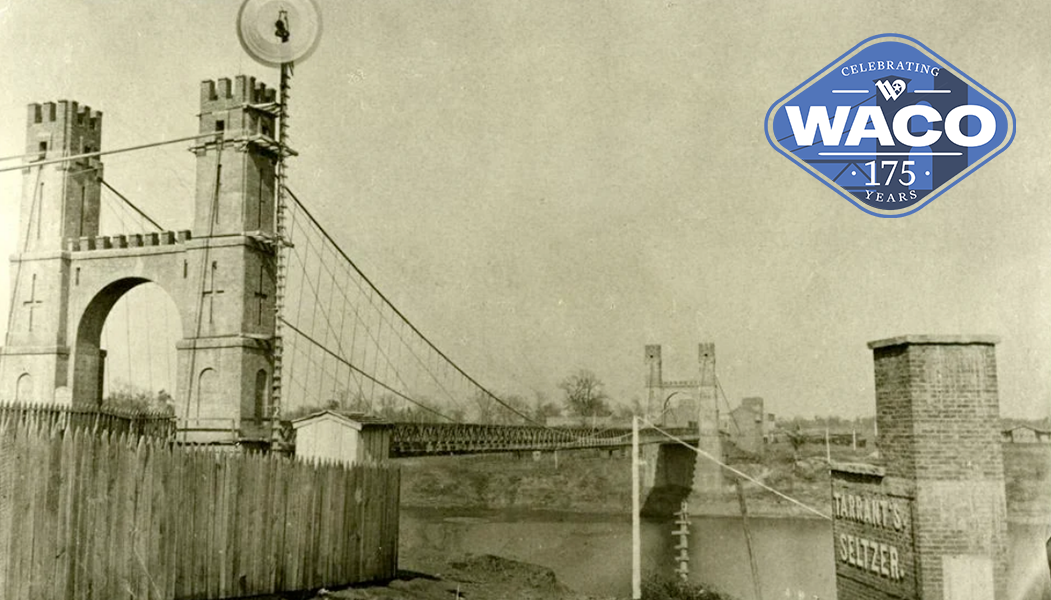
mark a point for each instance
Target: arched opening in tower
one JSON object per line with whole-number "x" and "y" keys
{"x": 126, "y": 348}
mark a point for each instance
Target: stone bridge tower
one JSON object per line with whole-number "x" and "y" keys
{"x": 677, "y": 471}
{"x": 65, "y": 277}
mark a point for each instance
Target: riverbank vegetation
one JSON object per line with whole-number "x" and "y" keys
{"x": 599, "y": 481}
{"x": 672, "y": 588}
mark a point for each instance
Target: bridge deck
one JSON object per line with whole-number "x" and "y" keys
{"x": 423, "y": 439}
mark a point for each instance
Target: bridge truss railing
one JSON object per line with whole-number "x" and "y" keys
{"x": 423, "y": 439}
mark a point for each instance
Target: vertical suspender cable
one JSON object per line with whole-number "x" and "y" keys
{"x": 149, "y": 352}
{"x": 169, "y": 375}
{"x": 127, "y": 339}
{"x": 25, "y": 246}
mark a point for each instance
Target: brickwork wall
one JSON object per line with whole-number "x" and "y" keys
{"x": 855, "y": 590}
{"x": 956, "y": 412}
{"x": 938, "y": 414}
{"x": 894, "y": 411}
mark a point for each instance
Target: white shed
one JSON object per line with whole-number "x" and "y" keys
{"x": 349, "y": 439}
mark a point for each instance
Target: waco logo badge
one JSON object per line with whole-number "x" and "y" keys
{"x": 890, "y": 125}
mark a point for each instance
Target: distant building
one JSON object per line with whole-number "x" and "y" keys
{"x": 749, "y": 426}
{"x": 349, "y": 439}
{"x": 1024, "y": 434}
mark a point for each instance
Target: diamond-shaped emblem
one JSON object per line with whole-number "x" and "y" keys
{"x": 890, "y": 125}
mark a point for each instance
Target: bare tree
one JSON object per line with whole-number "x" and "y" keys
{"x": 354, "y": 402}
{"x": 627, "y": 411}
{"x": 584, "y": 395}
{"x": 543, "y": 408}
{"x": 487, "y": 410}
{"x": 504, "y": 415}
{"x": 129, "y": 397}
{"x": 484, "y": 408}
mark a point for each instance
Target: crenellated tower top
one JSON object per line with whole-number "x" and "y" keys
{"x": 236, "y": 172}
{"x": 60, "y": 201}
{"x": 62, "y": 125}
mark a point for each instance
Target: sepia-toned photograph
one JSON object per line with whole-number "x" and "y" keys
{"x": 473, "y": 299}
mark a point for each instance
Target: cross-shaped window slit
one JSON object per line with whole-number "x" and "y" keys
{"x": 211, "y": 292}
{"x": 259, "y": 207}
{"x": 33, "y": 302}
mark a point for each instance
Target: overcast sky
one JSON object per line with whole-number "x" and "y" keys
{"x": 545, "y": 185}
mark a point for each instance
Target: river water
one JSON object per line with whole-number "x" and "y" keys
{"x": 592, "y": 553}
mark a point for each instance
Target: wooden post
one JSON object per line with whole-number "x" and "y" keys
{"x": 682, "y": 561}
{"x": 748, "y": 540}
{"x": 636, "y": 533}
{"x": 1047, "y": 551}
{"x": 828, "y": 449}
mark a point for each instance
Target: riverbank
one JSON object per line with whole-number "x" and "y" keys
{"x": 592, "y": 481}
{"x": 477, "y": 577}
{"x": 488, "y": 577}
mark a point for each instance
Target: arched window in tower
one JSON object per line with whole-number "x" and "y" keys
{"x": 207, "y": 393}
{"x": 262, "y": 396}
{"x": 24, "y": 388}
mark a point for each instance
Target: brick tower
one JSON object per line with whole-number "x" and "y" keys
{"x": 654, "y": 381}
{"x": 245, "y": 114}
{"x": 66, "y": 277}
{"x": 59, "y": 201}
{"x": 708, "y": 476}
{"x": 227, "y": 353}
{"x": 930, "y": 522}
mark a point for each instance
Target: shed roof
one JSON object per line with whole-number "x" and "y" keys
{"x": 1030, "y": 427}
{"x": 356, "y": 421}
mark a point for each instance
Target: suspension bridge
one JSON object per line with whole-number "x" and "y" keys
{"x": 277, "y": 320}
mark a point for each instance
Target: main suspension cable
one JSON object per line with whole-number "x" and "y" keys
{"x": 129, "y": 203}
{"x": 62, "y": 159}
{"x": 349, "y": 365}
{"x": 448, "y": 360}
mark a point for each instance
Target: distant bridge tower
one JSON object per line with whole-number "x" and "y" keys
{"x": 708, "y": 475}
{"x": 669, "y": 403}
{"x": 66, "y": 278}
{"x": 689, "y": 403}
{"x": 654, "y": 383}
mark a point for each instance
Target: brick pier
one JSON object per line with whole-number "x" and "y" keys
{"x": 928, "y": 521}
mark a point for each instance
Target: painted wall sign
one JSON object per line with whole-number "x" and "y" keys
{"x": 882, "y": 512}
{"x": 890, "y": 125}
{"x": 873, "y": 537}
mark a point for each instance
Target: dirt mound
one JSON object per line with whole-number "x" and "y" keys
{"x": 496, "y": 568}
{"x": 470, "y": 577}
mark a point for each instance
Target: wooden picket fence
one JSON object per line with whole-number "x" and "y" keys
{"x": 132, "y": 423}
{"x": 84, "y": 516}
